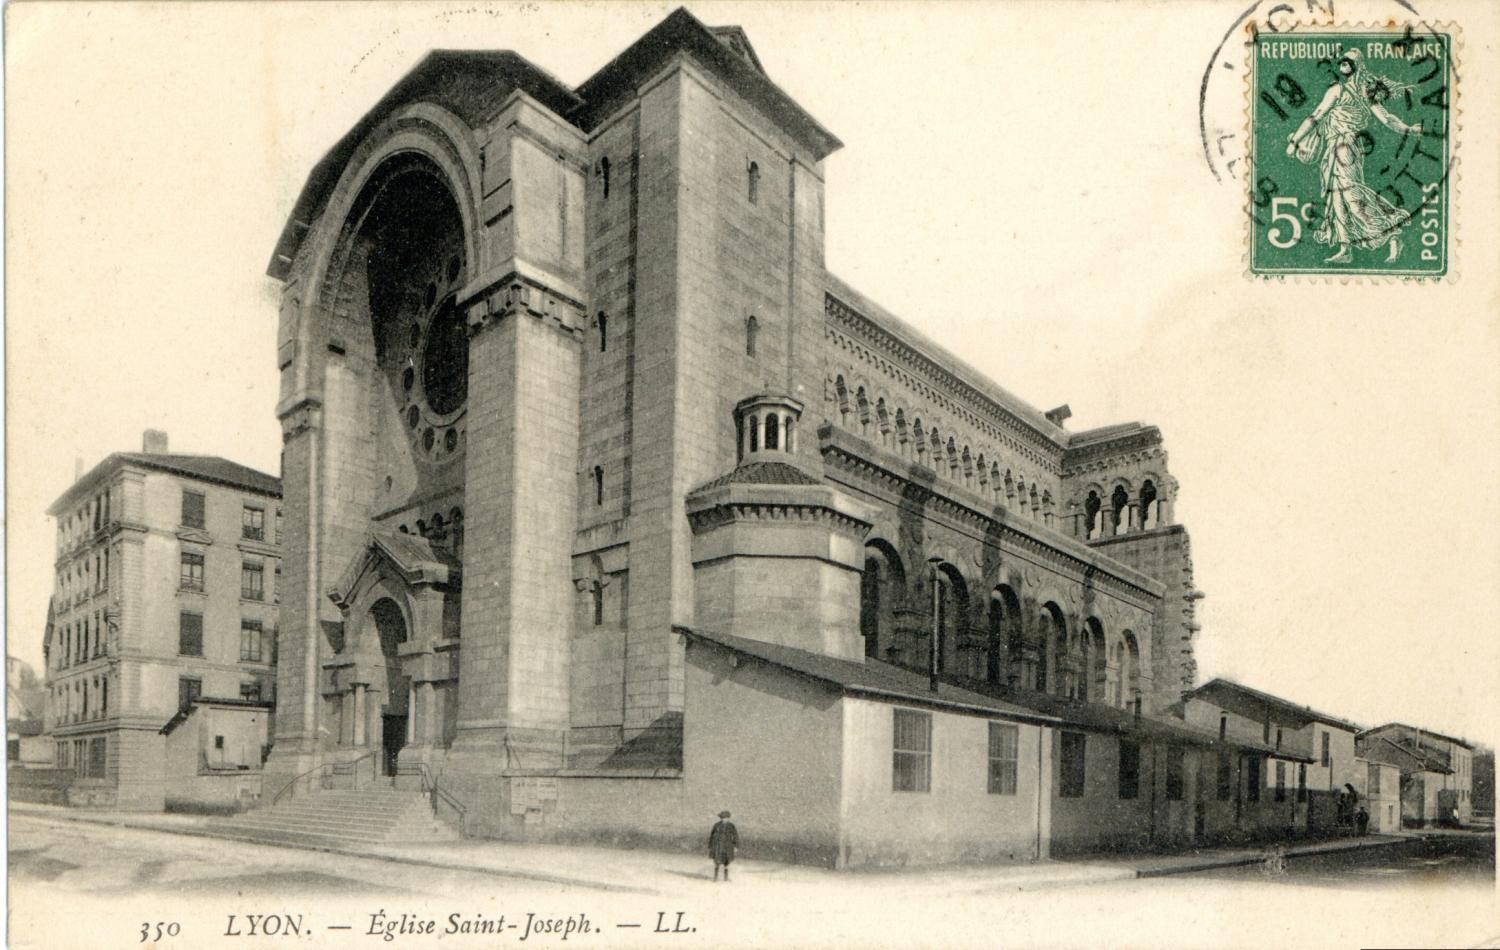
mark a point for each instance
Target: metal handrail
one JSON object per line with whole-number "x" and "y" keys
{"x": 326, "y": 769}
{"x": 433, "y": 791}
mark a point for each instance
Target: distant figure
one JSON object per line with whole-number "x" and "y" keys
{"x": 1362, "y": 819}
{"x": 722, "y": 841}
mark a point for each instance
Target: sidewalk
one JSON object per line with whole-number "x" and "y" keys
{"x": 598, "y": 868}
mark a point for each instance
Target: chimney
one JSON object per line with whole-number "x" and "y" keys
{"x": 1059, "y": 415}
{"x": 154, "y": 442}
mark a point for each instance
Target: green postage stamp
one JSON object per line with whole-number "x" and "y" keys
{"x": 1352, "y": 152}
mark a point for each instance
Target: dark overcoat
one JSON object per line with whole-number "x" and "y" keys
{"x": 722, "y": 841}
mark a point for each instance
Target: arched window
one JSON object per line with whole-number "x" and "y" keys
{"x": 752, "y": 183}
{"x": 604, "y": 174}
{"x": 598, "y": 485}
{"x": 880, "y": 589}
{"x": 755, "y": 433}
{"x": 1092, "y": 525}
{"x": 1095, "y": 669}
{"x": 603, "y": 321}
{"x": 952, "y": 613}
{"x": 1118, "y": 499}
{"x": 995, "y": 645}
{"x": 1132, "y": 672}
{"x": 1054, "y": 647}
{"x": 1150, "y": 516}
{"x": 773, "y": 432}
{"x": 752, "y": 328}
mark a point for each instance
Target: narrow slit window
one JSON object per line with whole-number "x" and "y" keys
{"x": 598, "y": 486}
{"x": 752, "y": 329}
{"x": 752, "y": 186}
{"x": 603, "y": 332}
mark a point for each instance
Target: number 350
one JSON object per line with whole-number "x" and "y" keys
{"x": 161, "y": 928}
{"x": 1290, "y": 236}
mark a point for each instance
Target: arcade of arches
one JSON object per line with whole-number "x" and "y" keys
{"x": 997, "y": 637}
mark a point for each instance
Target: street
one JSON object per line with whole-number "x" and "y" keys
{"x": 84, "y": 885}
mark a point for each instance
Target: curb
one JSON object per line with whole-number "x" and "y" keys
{"x": 1243, "y": 860}
{"x": 200, "y": 832}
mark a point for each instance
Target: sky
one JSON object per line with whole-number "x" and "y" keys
{"x": 1026, "y": 184}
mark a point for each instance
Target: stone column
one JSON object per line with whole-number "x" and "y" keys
{"x": 360, "y": 724}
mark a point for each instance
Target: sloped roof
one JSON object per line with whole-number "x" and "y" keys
{"x": 417, "y": 559}
{"x": 1097, "y": 717}
{"x": 872, "y": 678}
{"x": 722, "y": 50}
{"x": 761, "y": 473}
{"x": 1381, "y": 749}
{"x": 204, "y": 468}
{"x": 1221, "y": 690}
{"x": 1418, "y": 729}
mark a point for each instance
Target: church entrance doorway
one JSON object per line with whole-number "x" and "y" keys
{"x": 390, "y": 623}
{"x": 392, "y": 739}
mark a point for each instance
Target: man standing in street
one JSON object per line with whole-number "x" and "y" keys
{"x": 722, "y": 841}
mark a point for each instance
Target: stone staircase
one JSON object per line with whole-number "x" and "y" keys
{"x": 351, "y": 819}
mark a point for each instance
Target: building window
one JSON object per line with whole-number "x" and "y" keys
{"x": 1174, "y": 773}
{"x": 1003, "y": 742}
{"x": 1130, "y": 769}
{"x": 192, "y": 509}
{"x": 1223, "y": 725}
{"x": 597, "y": 594}
{"x": 251, "y": 637}
{"x": 1280, "y": 781}
{"x": 1226, "y": 777}
{"x": 253, "y": 580}
{"x": 1252, "y": 779}
{"x": 250, "y": 691}
{"x": 97, "y": 752}
{"x": 190, "y": 634}
{"x": 1373, "y": 786}
{"x": 1301, "y": 782}
{"x": 278, "y": 525}
{"x": 253, "y": 523}
{"x": 603, "y": 321}
{"x": 604, "y": 174}
{"x": 1327, "y": 759}
{"x": 189, "y": 688}
{"x": 752, "y": 183}
{"x": 1278, "y": 738}
{"x": 191, "y": 576}
{"x": 276, "y": 584}
{"x": 911, "y": 769}
{"x": 1071, "y": 765}
{"x": 752, "y": 330}
{"x": 598, "y": 486}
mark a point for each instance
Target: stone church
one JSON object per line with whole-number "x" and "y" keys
{"x": 600, "y": 491}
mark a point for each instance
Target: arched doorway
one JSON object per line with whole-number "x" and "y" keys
{"x": 390, "y": 627}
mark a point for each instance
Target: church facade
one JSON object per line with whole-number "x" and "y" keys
{"x": 580, "y": 434}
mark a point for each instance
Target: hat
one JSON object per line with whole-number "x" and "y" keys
{"x": 723, "y": 814}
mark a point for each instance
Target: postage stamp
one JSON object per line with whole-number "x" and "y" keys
{"x": 1351, "y": 138}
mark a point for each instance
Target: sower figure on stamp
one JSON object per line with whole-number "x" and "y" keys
{"x": 1337, "y": 136}
{"x": 722, "y": 842}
